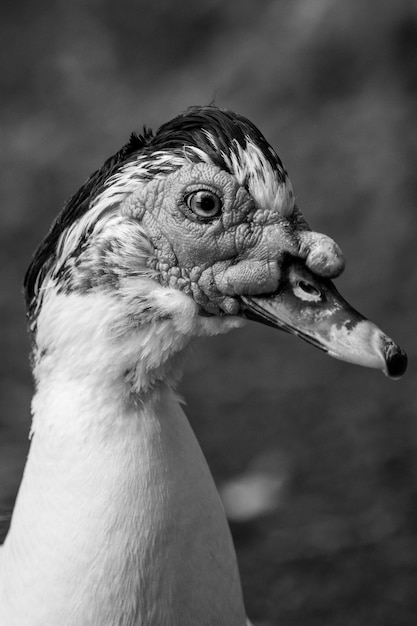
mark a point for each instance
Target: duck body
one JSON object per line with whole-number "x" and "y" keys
{"x": 181, "y": 234}
{"x": 118, "y": 520}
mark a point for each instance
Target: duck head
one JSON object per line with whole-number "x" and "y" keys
{"x": 205, "y": 207}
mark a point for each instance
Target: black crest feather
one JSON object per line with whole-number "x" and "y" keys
{"x": 74, "y": 208}
{"x": 225, "y": 127}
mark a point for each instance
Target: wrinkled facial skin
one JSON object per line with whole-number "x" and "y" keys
{"x": 259, "y": 262}
{"x": 236, "y": 253}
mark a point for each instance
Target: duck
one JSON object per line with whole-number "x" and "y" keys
{"x": 186, "y": 232}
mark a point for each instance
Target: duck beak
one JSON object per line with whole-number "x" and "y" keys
{"x": 312, "y": 308}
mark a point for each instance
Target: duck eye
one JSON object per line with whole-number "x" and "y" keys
{"x": 204, "y": 203}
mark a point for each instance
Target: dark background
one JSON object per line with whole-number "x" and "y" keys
{"x": 332, "y": 447}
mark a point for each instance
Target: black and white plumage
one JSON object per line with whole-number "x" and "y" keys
{"x": 180, "y": 234}
{"x": 228, "y": 141}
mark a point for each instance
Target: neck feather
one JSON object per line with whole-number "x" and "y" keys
{"x": 130, "y": 338}
{"x": 117, "y": 519}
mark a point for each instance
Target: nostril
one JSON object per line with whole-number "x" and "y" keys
{"x": 306, "y": 291}
{"x": 308, "y": 288}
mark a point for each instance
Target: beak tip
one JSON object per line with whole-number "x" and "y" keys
{"x": 396, "y": 361}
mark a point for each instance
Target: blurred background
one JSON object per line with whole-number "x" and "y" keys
{"x": 316, "y": 460}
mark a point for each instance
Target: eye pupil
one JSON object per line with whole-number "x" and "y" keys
{"x": 204, "y": 203}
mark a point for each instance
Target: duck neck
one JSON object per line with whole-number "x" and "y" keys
{"x": 117, "y": 519}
